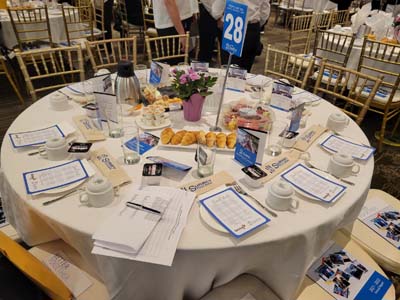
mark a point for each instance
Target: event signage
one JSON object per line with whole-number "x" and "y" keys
{"x": 235, "y": 25}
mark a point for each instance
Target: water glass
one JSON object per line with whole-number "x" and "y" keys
{"x": 274, "y": 144}
{"x": 141, "y": 74}
{"x": 205, "y": 159}
{"x": 130, "y": 143}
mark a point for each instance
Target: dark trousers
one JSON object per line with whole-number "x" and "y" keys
{"x": 208, "y": 32}
{"x": 108, "y": 10}
{"x": 172, "y": 31}
{"x": 343, "y": 4}
{"x": 250, "y": 48}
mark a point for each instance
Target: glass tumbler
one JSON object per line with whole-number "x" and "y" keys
{"x": 141, "y": 74}
{"x": 130, "y": 143}
{"x": 205, "y": 159}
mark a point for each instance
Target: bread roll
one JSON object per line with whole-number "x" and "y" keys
{"x": 221, "y": 140}
{"x": 177, "y": 138}
{"x": 201, "y": 137}
{"x": 188, "y": 139}
{"x": 166, "y": 135}
{"x": 211, "y": 137}
{"x": 231, "y": 140}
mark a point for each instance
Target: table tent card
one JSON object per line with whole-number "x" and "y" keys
{"x": 88, "y": 129}
{"x": 233, "y": 213}
{"x": 159, "y": 73}
{"x": 250, "y": 146}
{"x": 147, "y": 141}
{"x": 42, "y": 180}
{"x": 109, "y": 167}
{"x": 236, "y": 80}
{"x": 207, "y": 184}
{"x": 305, "y": 140}
{"x": 102, "y": 83}
{"x": 281, "y": 97}
{"x": 383, "y": 219}
{"x": 295, "y": 117}
{"x": 40, "y": 136}
{"x": 106, "y": 107}
{"x": 161, "y": 245}
{"x": 313, "y": 184}
{"x": 334, "y": 143}
{"x": 347, "y": 278}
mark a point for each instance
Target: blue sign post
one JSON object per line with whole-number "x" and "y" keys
{"x": 233, "y": 35}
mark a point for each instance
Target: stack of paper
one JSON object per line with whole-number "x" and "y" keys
{"x": 141, "y": 235}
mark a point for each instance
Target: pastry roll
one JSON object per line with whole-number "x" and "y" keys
{"x": 201, "y": 137}
{"x": 221, "y": 140}
{"x": 211, "y": 137}
{"x": 177, "y": 138}
{"x": 231, "y": 140}
{"x": 166, "y": 135}
{"x": 188, "y": 139}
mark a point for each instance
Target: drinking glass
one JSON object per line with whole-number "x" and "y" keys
{"x": 141, "y": 74}
{"x": 211, "y": 103}
{"x": 88, "y": 90}
{"x": 205, "y": 159}
{"x": 130, "y": 143}
{"x": 274, "y": 144}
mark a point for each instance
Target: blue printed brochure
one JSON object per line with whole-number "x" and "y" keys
{"x": 250, "y": 146}
{"x": 147, "y": 142}
{"x": 347, "y": 278}
{"x": 159, "y": 73}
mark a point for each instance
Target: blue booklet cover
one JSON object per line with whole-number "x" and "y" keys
{"x": 250, "y": 146}
{"x": 155, "y": 73}
{"x": 147, "y": 142}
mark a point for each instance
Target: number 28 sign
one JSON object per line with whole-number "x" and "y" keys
{"x": 235, "y": 24}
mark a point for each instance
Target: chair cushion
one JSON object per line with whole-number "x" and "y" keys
{"x": 385, "y": 254}
{"x": 382, "y": 95}
{"x": 325, "y": 77}
{"x": 240, "y": 287}
{"x": 297, "y": 62}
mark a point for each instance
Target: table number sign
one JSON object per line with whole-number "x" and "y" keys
{"x": 89, "y": 131}
{"x": 109, "y": 167}
{"x": 345, "y": 277}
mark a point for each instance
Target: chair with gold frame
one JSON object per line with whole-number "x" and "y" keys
{"x": 322, "y": 20}
{"x": 4, "y": 70}
{"x": 99, "y": 17}
{"x": 340, "y": 17}
{"x": 166, "y": 48}
{"x": 281, "y": 64}
{"x": 148, "y": 19}
{"x": 107, "y": 53}
{"x": 344, "y": 87}
{"x": 300, "y": 34}
{"x": 31, "y": 25}
{"x": 30, "y": 263}
{"x": 53, "y": 67}
{"x": 384, "y": 59}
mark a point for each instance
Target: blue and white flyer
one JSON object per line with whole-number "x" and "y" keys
{"x": 345, "y": 277}
{"x": 250, "y": 146}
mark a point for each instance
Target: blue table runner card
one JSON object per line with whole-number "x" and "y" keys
{"x": 233, "y": 213}
{"x": 250, "y": 145}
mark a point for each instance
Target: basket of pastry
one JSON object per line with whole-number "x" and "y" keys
{"x": 244, "y": 114}
{"x": 189, "y": 139}
{"x": 153, "y": 96}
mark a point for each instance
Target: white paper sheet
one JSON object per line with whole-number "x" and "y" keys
{"x": 107, "y": 107}
{"x": 133, "y": 225}
{"x": 334, "y": 143}
{"x": 40, "y": 136}
{"x": 314, "y": 185}
{"x": 161, "y": 245}
{"x": 75, "y": 279}
{"x": 233, "y": 212}
{"x": 39, "y": 181}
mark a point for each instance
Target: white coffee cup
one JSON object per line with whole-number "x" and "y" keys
{"x": 337, "y": 121}
{"x": 55, "y": 149}
{"x": 342, "y": 165}
{"x": 99, "y": 192}
{"x": 59, "y": 102}
{"x": 280, "y": 196}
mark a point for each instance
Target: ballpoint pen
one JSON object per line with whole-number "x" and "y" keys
{"x": 142, "y": 207}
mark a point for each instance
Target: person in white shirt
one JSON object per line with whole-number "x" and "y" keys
{"x": 258, "y": 12}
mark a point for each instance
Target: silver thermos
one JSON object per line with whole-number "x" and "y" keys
{"x": 127, "y": 86}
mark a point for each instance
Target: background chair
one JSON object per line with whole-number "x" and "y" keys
{"x": 148, "y": 19}
{"x": 54, "y": 68}
{"x": 98, "y": 12}
{"x": 107, "y": 53}
{"x": 382, "y": 58}
{"x": 167, "y": 48}
{"x": 322, "y": 20}
{"x": 300, "y": 34}
{"x": 282, "y": 64}
{"x": 30, "y": 263}
{"x": 31, "y": 27}
{"x": 386, "y": 255}
{"x": 340, "y": 17}
{"x": 128, "y": 29}
{"x": 345, "y": 88}
{"x": 11, "y": 79}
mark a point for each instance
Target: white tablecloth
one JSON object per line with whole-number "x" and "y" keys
{"x": 279, "y": 254}
{"x": 315, "y": 5}
{"x": 8, "y": 38}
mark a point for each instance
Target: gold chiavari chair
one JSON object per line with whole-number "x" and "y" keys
{"x": 148, "y": 19}
{"x": 322, "y": 20}
{"x": 4, "y": 70}
{"x": 53, "y": 67}
{"x": 31, "y": 25}
{"x": 344, "y": 87}
{"x": 340, "y": 17}
{"x": 167, "y": 48}
{"x": 281, "y": 64}
{"x": 300, "y": 34}
{"x": 384, "y": 59}
{"x": 99, "y": 16}
{"x": 107, "y": 53}
{"x": 79, "y": 24}
{"x": 283, "y": 9}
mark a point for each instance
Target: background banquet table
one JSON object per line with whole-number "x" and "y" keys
{"x": 315, "y": 5}
{"x": 279, "y": 254}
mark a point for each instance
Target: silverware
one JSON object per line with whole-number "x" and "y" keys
{"x": 62, "y": 93}
{"x": 240, "y": 190}
{"x": 61, "y": 197}
{"x": 311, "y": 166}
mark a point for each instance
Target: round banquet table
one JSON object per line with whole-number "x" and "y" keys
{"x": 279, "y": 254}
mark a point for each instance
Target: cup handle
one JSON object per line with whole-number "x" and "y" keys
{"x": 297, "y": 203}
{"x": 355, "y": 170}
{"x": 42, "y": 151}
{"x": 84, "y": 199}
{"x": 305, "y": 156}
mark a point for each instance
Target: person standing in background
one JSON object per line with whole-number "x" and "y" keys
{"x": 208, "y": 30}
{"x": 343, "y": 4}
{"x": 258, "y": 12}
